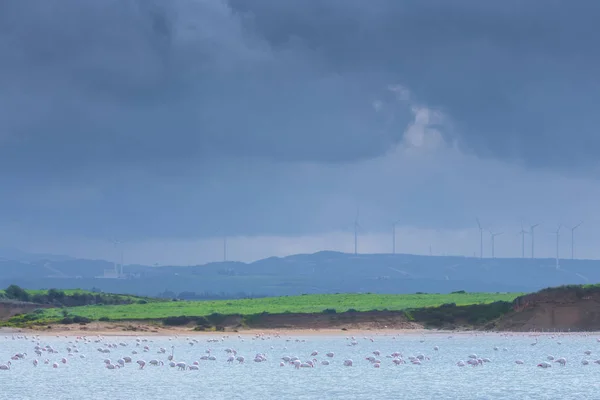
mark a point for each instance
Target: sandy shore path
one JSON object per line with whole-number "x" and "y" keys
{"x": 127, "y": 329}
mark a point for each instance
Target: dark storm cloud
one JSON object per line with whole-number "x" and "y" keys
{"x": 86, "y": 81}
{"x": 202, "y": 117}
{"x": 517, "y": 77}
{"x": 138, "y": 81}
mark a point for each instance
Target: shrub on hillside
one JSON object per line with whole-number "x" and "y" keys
{"x": 81, "y": 320}
{"x": 55, "y": 295}
{"x": 448, "y": 305}
{"x": 177, "y": 321}
{"x": 216, "y": 318}
{"x": 16, "y": 293}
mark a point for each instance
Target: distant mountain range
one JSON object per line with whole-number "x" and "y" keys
{"x": 323, "y": 272}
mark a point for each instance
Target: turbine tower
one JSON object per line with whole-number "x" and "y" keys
{"x": 394, "y": 237}
{"x": 531, "y": 228}
{"x": 356, "y": 227}
{"x": 116, "y": 243}
{"x": 523, "y": 232}
{"x": 480, "y": 238}
{"x": 557, "y": 243}
{"x": 122, "y": 258}
{"x": 224, "y": 248}
{"x": 573, "y": 239}
{"x": 493, "y": 236}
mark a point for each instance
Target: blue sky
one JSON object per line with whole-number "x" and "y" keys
{"x": 169, "y": 124}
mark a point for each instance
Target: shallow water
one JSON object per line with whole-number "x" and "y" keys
{"x": 438, "y": 377}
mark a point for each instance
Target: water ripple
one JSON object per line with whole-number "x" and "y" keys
{"x": 438, "y": 377}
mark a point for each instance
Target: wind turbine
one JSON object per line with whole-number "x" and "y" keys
{"x": 522, "y": 232}
{"x": 480, "y": 238}
{"x": 224, "y": 248}
{"x": 122, "y": 250}
{"x": 116, "y": 243}
{"x": 493, "y": 236}
{"x": 557, "y": 243}
{"x": 573, "y": 239}
{"x": 356, "y": 227}
{"x": 394, "y": 237}
{"x": 531, "y": 228}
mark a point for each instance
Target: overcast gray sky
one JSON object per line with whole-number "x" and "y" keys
{"x": 169, "y": 124}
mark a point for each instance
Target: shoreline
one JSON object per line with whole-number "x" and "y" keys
{"x": 137, "y": 328}
{"x": 114, "y": 329}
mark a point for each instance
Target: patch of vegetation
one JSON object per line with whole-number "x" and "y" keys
{"x": 451, "y": 315}
{"x": 75, "y": 319}
{"x": 177, "y": 321}
{"x": 15, "y": 292}
{"x": 216, "y": 318}
{"x": 579, "y": 290}
{"x": 70, "y": 298}
{"x": 253, "y": 319}
{"x": 561, "y": 293}
{"x": 214, "y": 313}
{"x": 202, "y": 322}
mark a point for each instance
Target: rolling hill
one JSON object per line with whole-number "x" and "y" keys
{"x": 323, "y": 272}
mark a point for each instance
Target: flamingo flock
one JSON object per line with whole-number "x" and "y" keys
{"x": 138, "y": 352}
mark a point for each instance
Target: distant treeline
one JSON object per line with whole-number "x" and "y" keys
{"x": 167, "y": 294}
{"x": 60, "y": 298}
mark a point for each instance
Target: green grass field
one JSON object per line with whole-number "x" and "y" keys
{"x": 273, "y": 305}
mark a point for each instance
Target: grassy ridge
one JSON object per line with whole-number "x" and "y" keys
{"x": 273, "y": 305}
{"x": 70, "y": 296}
{"x": 65, "y": 299}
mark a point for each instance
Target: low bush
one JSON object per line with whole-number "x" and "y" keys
{"x": 177, "y": 321}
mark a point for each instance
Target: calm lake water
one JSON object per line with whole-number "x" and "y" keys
{"x": 439, "y": 377}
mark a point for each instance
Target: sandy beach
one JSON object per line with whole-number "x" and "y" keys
{"x": 140, "y": 329}
{"x": 125, "y": 329}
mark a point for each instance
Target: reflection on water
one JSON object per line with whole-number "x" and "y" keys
{"x": 437, "y": 377}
